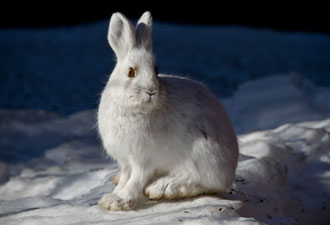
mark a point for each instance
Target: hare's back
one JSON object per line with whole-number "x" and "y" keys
{"x": 184, "y": 92}
{"x": 192, "y": 103}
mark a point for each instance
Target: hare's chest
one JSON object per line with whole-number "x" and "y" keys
{"x": 123, "y": 132}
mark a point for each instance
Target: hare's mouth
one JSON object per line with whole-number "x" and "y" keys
{"x": 150, "y": 97}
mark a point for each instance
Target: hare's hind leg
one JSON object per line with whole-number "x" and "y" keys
{"x": 174, "y": 188}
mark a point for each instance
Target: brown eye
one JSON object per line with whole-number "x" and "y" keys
{"x": 131, "y": 72}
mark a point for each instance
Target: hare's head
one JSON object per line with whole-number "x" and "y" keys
{"x": 134, "y": 81}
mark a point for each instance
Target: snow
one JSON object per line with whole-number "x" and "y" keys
{"x": 260, "y": 104}
{"x": 53, "y": 169}
{"x": 282, "y": 175}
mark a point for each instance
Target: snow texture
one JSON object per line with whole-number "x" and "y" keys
{"x": 55, "y": 170}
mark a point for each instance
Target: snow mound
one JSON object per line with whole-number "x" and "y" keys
{"x": 269, "y": 102}
{"x": 54, "y": 170}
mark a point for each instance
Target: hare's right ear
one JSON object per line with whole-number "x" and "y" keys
{"x": 143, "y": 31}
{"x": 121, "y": 35}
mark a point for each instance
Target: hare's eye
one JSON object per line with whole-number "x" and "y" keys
{"x": 131, "y": 72}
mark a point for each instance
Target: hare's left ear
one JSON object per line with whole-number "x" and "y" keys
{"x": 143, "y": 31}
{"x": 121, "y": 35}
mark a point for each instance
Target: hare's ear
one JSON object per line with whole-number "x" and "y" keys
{"x": 121, "y": 35}
{"x": 143, "y": 31}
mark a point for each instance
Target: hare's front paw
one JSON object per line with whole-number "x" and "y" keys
{"x": 114, "y": 203}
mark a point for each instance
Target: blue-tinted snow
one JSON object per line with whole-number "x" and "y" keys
{"x": 64, "y": 69}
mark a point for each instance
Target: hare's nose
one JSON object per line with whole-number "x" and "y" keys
{"x": 151, "y": 93}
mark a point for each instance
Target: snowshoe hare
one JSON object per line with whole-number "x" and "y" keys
{"x": 170, "y": 135}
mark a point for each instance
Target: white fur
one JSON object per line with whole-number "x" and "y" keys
{"x": 176, "y": 143}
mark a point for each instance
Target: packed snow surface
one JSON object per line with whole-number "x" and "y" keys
{"x": 55, "y": 169}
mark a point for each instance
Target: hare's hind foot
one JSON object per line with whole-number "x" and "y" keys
{"x": 172, "y": 188}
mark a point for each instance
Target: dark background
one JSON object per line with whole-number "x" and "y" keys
{"x": 310, "y": 16}
{"x": 58, "y": 63}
